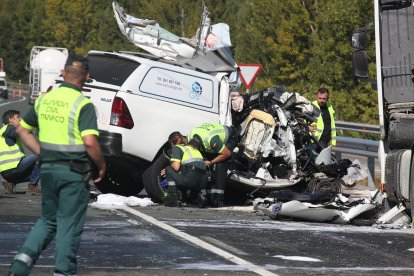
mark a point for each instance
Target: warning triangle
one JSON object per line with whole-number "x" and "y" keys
{"x": 248, "y": 73}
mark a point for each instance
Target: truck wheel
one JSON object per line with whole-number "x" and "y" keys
{"x": 152, "y": 178}
{"x": 122, "y": 178}
{"x": 6, "y": 95}
{"x": 400, "y": 131}
{"x": 392, "y": 176}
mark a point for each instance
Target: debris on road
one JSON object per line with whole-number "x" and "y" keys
{"x": 104, "y": 200}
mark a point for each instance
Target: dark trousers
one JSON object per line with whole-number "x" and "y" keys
{"x": 188, "y": 182}
{"x": 26, "y": 171}
{"x": 65, "y": 198}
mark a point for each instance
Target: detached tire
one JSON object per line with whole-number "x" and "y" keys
{"x": 122, "y": 178}
{"x": 152, "y": 178}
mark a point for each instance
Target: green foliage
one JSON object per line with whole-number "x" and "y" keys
{"x": 301, "y": 44}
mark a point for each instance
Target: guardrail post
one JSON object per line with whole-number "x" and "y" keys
{"x": 338, "y": 155}
{"x": 371, "y": 169}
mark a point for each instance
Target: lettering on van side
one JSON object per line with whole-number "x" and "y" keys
{"x": 106, "y": 100}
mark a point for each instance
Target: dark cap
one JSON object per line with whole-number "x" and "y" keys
{"x": 77, "y": 61}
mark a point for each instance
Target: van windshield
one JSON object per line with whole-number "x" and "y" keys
{"x": 110, "y": 69}
{"x": 2, "y": 83}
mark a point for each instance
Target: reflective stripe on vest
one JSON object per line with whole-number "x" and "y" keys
{"x": 10, "y": 156}
{"x": 207, "y": 131}
{"x": 59, "y": 110}
{"x": 190, "y": 155}
{"x": 320, "y": 125}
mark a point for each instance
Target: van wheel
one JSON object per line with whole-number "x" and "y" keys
{"x": 122, "y": 178}
{"x": 152, "y": 179}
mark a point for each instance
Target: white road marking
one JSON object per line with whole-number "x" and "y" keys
{"x": 224, "y": 245}
{"x": 13, "y": 102}
{"x": 198, "y": 242}
{"x": 297, "y": 258}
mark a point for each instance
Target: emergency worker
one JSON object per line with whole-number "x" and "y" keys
{"x": 218, "y": 142}
{"x": 67, "y": 126}
{"x": 324, "y": 129}
{"x": 186, "y": 175}
{"x": 15, "y": 166}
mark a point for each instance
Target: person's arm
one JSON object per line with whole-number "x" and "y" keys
{"x": 89, "y": 132}
{"x": 176, "y": 166}
{"x": 223, "y": 152}
{"x": 10, "y": 135}
{"x": 93, "y": 149}
{"x": 29, "y": 139}
{"x": 176, "y": 156}
{"x": 221, "y": 157}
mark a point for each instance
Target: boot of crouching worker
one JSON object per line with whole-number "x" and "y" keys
{"x": 172, "y": 198}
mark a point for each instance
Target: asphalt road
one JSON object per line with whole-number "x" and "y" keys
{"x": 156, "y": 240}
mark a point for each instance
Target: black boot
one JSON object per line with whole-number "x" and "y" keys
{"x": 217, "y": 201}
{"x": 201, "y": 200}
{"x": 171, "y": 200}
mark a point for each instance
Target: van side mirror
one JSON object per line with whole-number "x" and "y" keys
{"x": 359, "y": 38}
{"x": 360, "y": 64}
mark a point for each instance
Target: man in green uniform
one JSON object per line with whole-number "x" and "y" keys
{"x": 67, "y": 126}
{"x": 187, "y": 173}
{"x": 218, "y": 142}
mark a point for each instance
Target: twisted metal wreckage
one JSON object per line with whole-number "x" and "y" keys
{"x": 276, "y": 150}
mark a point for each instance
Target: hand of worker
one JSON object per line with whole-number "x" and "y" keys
{"x": 101, "y": 174}
{"x": 312, "y": 128}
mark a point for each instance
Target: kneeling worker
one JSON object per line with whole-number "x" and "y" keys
{"x": 15, "y": 166}
{"x": 218, "y": 142}
{"x": 187, "y": 174}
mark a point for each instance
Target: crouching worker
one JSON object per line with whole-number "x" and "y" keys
{"x": 217, "y": 143}
{"x": 186, "y": 176}
{"x": 15, "y": 166}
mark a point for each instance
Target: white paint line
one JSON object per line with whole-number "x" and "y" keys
{"x": 13, "y": 102}
{"x": 224, "y": 245}
{"x": 198, "y": 242}
{"x": 297, "y": 258}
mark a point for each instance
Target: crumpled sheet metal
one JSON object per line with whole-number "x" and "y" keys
{"x": 316, "y": 213}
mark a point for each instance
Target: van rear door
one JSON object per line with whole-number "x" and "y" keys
{"x": 108, "y": 72}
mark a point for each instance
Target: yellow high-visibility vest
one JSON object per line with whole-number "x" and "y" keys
{"x": 190, "y": 155}
{"x": 10, "y": 156}
{"x": 320, "y": 125}
{"x": 59, "y": 111}
{"x": 207, "y": 131}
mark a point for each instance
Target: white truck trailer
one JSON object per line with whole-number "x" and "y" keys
{"x": 46, "y": 64}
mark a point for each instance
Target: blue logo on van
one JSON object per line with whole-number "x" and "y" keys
{"x": 196, "y": 91}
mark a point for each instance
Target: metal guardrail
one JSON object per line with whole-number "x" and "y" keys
{"x": 357, "y": 146}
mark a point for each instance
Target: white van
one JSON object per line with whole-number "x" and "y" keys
{"x": 4, "y": 90}
{"x": 139, "y": 101}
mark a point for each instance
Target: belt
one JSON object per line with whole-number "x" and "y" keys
{"x": 59, "y": 162}
{"x": 196, "y": 169}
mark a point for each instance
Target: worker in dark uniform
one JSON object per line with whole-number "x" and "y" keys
{"x": 218, "y": 142}
{"x": 186, "y": 175}
{"x": 67, "y": 126}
